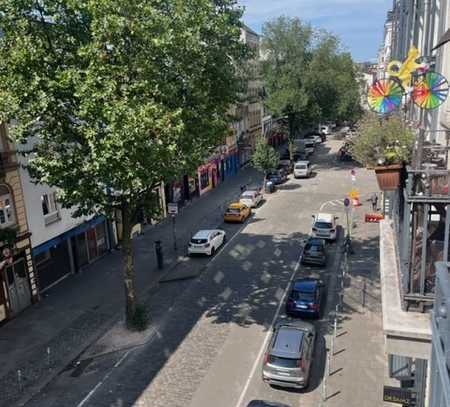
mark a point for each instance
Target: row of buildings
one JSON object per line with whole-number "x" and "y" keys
{"x": 414, "y": 240}
{"x": 41, "y": 243}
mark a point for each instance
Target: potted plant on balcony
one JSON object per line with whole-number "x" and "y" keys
{"x": 384, "y": 145}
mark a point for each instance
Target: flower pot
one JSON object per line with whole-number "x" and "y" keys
{"x": 388, "y": 176}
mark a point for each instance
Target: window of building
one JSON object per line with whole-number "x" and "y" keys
{"x": 6, "y": 207}
{"x": 204, "y": 179}
{"x": 50, "y": 208}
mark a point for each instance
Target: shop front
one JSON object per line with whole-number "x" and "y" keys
{"x": 209, "y": 175}
{"x": 18, "y": 286}
{"x": 70, "y": 251}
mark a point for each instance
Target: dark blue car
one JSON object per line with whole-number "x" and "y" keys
{"x": 306, "y": 298}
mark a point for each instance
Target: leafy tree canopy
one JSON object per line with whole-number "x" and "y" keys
{"x": 120, "y": 94}
{"x": 308, "y": 77}
{"x": 265, "y": 158}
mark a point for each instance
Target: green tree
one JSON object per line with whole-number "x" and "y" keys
{"x": 308, "y": 77}
{"x": 287, "y": 50}
{"x": 118, "y": 96}
{"x": 265, "y": 158}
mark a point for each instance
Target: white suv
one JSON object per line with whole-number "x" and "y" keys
{"x": 324, "y": 226}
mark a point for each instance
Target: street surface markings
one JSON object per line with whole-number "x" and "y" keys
{"x": 269, "y": 332}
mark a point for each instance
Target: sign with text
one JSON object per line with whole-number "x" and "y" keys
{"x": 397, "y": 395}
{"x": 172, "y": 208}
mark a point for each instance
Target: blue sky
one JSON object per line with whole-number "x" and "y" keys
{"x": 359, "y": 23}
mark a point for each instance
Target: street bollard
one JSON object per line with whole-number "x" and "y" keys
{"x": 19, "y": 380}
{"x": 364, "y": 294}
{"x": 48, "y": 356}
{"x": 159, "y": 254}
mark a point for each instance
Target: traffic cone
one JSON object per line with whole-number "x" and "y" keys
{"x": 356, "y": 201}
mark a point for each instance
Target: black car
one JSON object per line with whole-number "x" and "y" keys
{"x": 315, "y": 252}
{"x": 262, "y": 403}
{"x": 297, "y": 156}
{"x": 277, "y": 177}
{"x": 306, "y": 298}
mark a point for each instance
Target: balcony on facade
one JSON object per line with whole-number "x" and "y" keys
{"x": 440, "y": 326}
{"x": 424, "y": 204}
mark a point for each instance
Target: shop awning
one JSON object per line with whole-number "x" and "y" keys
{"x": 66, "y": 235}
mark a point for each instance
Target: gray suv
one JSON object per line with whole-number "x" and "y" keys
{"x": 288, "y": 358}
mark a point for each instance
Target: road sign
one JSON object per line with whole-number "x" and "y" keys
{"x": 346, "y": 202}
{"x": 172, "y": 208}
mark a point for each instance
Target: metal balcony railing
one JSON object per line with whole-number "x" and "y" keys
{"x": 440, "y": 329}
{"x": 425, "y": 203}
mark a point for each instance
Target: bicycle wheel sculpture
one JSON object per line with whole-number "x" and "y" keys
{"x": 430, "y": 90}
{"x": 385, "y": 95}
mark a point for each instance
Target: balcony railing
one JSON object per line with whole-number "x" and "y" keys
{"x": 440, "y": 328}
{"x": 424, "y": 205}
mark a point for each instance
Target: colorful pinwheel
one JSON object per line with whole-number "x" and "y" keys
{"x": 430, "y": 90}
{"x": 385, "y": 95}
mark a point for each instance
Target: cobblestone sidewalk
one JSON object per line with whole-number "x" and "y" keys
{"x": 47, "y": 337}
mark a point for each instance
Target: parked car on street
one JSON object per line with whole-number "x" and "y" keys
{"x": 306, "y": 298}
{"x": 263, "y": 403}
{"x": 276, "y": 177}
{"x": 317, "y": 137}
{"x": 286, "y": 166}
{"x": 309, "y": 146}
{"x": 206, "y": 242}
{"x": 251, "y": 198}
{"x": 237, "y": 212}
{"x": 302, "y": 169}
{"x": 315, "y": 252}
{"x": 289, "y": 355}
{"x": 324, "y": 226}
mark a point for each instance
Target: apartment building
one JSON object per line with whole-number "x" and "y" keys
{"x": 415, "y": 234}
{"x": 19, "y": 286}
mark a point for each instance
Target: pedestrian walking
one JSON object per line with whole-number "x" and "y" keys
{"x": 374, "y": 200}
{"x": 243, "y": 188}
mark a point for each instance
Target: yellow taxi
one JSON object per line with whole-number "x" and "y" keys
{"x": 237, "y": 212}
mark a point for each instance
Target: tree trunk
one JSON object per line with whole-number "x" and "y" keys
{"x": 291, "y": 137}
{"x": 128, "y": 270}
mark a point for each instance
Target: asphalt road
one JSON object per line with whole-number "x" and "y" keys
{"x": 211, "y": 331}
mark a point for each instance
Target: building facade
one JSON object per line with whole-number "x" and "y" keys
{"x": 18, "y": 280}
{"x": 415, "y": 234}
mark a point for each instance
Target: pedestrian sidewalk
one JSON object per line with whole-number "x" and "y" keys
{"x": 357, "y": 359}
{"x": 71, "y": 316}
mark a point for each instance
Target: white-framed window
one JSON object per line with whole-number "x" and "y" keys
{"x": 7, "y": 217}
{"x": 50, "y": 208}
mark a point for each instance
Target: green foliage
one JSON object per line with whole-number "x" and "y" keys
{"x": 120, "y": 94}
{"x": 141, "y": 319}
{"x": 308, "y": 77}
{"x": 383, "y": 141}
{"x": 265, "y": 158}
{"x": 116, "y": 96}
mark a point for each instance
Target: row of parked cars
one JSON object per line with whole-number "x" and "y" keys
{"x": 289, "y": 356}
{"x": 208, "y": 241}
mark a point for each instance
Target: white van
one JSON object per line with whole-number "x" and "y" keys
{"x": 302, "y": 169}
